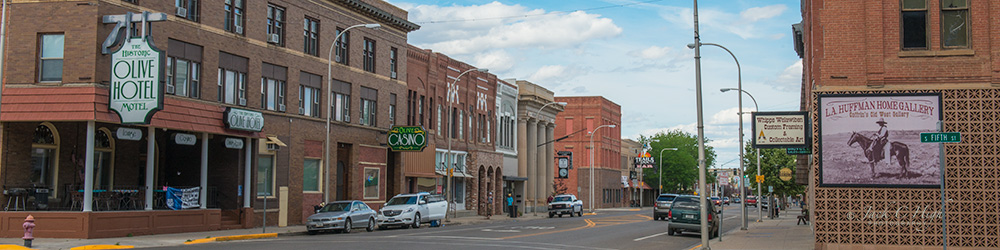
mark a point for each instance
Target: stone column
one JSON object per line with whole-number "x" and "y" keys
{"x": 532, "y": 134}
{"x": 522, "y": 139}
{"x": 541, "y": 166}
{"x": 550, "y": 149}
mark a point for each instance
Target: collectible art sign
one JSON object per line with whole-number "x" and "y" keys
{"x": 874, "y": 140}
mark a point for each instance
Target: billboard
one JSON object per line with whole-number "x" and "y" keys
{"x": 874, "y": 140}
{"x": 781, "y": 130}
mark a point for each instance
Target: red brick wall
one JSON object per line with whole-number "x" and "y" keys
{"x": 607, "y": 145}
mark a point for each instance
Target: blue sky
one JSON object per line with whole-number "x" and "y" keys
{"x": 632, "y": 52}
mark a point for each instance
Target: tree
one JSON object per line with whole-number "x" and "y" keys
{"x": 680, "y": 167}
{"x": 771, "y": 162}
{"x": 559, "y": 187}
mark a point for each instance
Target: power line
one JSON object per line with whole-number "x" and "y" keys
{"x": 535, "y": 15}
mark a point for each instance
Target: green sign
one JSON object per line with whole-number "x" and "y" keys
{"x": 135, "y": 92}
{"x": 798, "y": 151}
{"x": 242, "y": 119}
{"x": 407, "y": 138}
{"x": 941, "y": 137}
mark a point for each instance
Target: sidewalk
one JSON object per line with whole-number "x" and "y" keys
{"x": 178, "y": 239}
{"x": 779, "y": 233}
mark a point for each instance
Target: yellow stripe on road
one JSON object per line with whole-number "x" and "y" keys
{"x": 695, "y": 247}
{"x": 643, "y": 216}
{"x": 589, "y": 225}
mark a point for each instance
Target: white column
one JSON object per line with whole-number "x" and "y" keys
{"x": 540, "y": 166}
{"x": 550, "y": 162}
{"x": 246, "y": 173}
{"x": 150, "y": 164}
{"x": 203, "y": 199}
{"x": 532, "y": 167}
{"x": 88, "y": 172}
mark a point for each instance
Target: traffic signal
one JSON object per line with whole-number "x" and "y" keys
{"x": 564, "y": 162}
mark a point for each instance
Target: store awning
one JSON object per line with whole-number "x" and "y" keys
{"x": 274, "y": 140}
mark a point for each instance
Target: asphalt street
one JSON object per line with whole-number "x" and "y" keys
{"x": 605, "y": 230}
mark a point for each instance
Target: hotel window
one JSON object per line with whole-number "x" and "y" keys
{"x": 311, "y": 36}
{"x": 183, "y": 69}
{"x": 369, "y": 106}
{"x": 341, "y": 105}
{"x": 235, "y": 16}
{"x": 954, "y": 24}
{"x": 50, "y": 61}
{"x": 392, "y": 62}
{"x": 44, "y": 147}
{"x": 914, "y": 21}
{"x": 309, "y": 94}
{"x": 392, "y": 110}
{"x": 187, "y": 9}
{"x": 430, "y": 114}
{"x": 273, "y": 87}
{"x": 275, "y": 25}
{"x": 342, "y": 45}
{"x": 369, "y": 55}
{"x": 439, "y": 119}
{"x": 265, "y": 175}
{"x": 232, "y": 84}
{"x": 420, "y": 111}
{"x": 458, "y": 123}
{"x": 311, "y": 173}
{"x": 103, "y": 160}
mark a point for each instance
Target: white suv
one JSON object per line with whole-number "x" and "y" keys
{"x": 565, "y": 204}
{"x": 409, "y": 210}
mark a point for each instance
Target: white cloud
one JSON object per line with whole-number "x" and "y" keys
{"x": 651, "y": 53}
{"x": 729, "y": 116}
{"x": 743, "y": 24}
{"x": 497, "y": 61}
{"x": 487, "y": 28}
{"x": 790, "y": 79}
{"x": 759, "y": 13}
{"x": 554, "y": 75}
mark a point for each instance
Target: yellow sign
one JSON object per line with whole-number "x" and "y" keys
{"x": 760, "y": 179}
{"x": 785, "y": 174}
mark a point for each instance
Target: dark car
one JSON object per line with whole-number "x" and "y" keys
{"x": 716, "y": 200}
{"x": 685, "y": 216}
{"x": 342, "y": 216}
{"x": 662, "y": 206}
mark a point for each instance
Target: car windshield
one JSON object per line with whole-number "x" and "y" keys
{"x": 665, "y": 198}
{"x": 403, "y": 200}
{"x": 689, "y": 202}
{"x": 562, "y": 198}
{"x": 715, "y": 198}
{"x": 336, "y": 207}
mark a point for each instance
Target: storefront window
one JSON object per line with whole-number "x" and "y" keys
{"x": 265, "y": 175}
{"x": 310, "y": 175}
{"x": 371, "y": 183}
{"x": 43, "y": 156}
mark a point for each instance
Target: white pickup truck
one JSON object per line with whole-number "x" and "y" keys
{"x": 565, "y": 204}
{"x": 409, "y": 210}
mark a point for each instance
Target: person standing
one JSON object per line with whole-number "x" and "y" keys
{"x": 510, "y": 205}
{"x": 489, "y": 206}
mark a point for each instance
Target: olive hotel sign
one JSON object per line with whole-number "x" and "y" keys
{"x": 136, "y": 89}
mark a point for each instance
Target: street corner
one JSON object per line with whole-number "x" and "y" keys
{"x": 95, "y": 247}
{"x": 13, "y": 247}
{"x": 232, "y": 238}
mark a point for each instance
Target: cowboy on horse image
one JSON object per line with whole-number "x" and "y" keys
{"x": 876, "y": 151}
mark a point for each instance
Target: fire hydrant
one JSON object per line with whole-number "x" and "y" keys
{"x": 29, "y": 227}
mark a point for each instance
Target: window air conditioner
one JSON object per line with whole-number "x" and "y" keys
{"x": 170, "y": 89}
{"x": 302, "y": 111}
{"x": 243, "y": 101}
{"x": 281, "y": 107}
{"x": 239, "y": 29}
{"x": 393, "y": 75}
{"x": 273, "y": 38}
{"x": 181, "y": 11}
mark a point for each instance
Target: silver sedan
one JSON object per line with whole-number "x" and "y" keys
{"x": 342, "y": 216}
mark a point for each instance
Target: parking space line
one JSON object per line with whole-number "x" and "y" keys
{"x": 651, "y": 236}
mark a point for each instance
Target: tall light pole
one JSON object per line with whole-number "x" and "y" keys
{"x": 660, "y": 175}
{"x": 329, "y": 106}
{"x": 760, "y": 212}
{"x": 451, "y": 165}
{"x": 701, "y": 133}
{"x": 739, "y": 85}
{"x": 592, "y": 163}
{"x": 539, "y": 115}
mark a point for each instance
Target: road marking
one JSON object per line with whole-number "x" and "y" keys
{"x": 501, "y": 230}
{"x": 695, "y": 247}
{"x": 458, "y": 237}
{"x": 594, "y": 213}
{"x": 589, "y": 225}
{"x": 651, "y": 236}
{"x": 643, "y": 216}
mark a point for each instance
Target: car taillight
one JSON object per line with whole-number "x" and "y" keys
{"x": 670, "y": 214}
{"x": 709, "y": 216}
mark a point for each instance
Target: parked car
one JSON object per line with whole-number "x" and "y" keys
{"x": 341, "y": 216}
{"x": 736, "y": 200}
{"x": 685, "y": 216}
{"x": 409, "y": 210}
{"x": 716, "y": 200}
{"x": 764, "y": 202}
{"x": 751, "y": 201}
{"x": 662, "y": 206}
{"x": 725, "y": 200}
{"x": 565, "y": 204}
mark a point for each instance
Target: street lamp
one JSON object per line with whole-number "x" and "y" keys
{"x": 329, "y": 106}
{"x": 592, "y": 163}
{"x": 660, "y": 176}
{"x": 451, "y": 167}
{"x": 739, "y": 85}
{"x": 760, "y": 212}
{"x": 538, "y": 114}
{"x": 701, "y": 131}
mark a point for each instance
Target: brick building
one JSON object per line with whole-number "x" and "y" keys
{"x": 582, "y": 115}
{"x": 860, "y": 55}
{"x": 225, "y": 63}
{"x": 472, "y": 101}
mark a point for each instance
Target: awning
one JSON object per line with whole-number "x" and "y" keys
{"x": 457, "y": 173}
{"x": 274, "y": 140}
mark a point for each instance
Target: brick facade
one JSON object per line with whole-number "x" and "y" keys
{"x": 586, "y": 114}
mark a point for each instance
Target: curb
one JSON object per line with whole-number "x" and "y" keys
{"x": 12, "y": 247}
{"x": 232, "y": 238}
{"x": 88, "y": 247}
